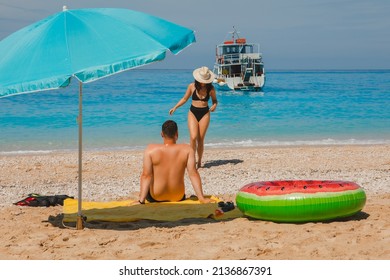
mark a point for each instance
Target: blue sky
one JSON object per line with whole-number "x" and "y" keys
{"x": 293, "y": 34}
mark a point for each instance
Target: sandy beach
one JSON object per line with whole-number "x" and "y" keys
{"x": 37, "y": 233}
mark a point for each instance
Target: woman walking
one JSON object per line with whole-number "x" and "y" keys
{"x": 200, "y": 92}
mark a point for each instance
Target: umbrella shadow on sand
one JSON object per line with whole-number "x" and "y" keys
{"x": 57, "y": 221}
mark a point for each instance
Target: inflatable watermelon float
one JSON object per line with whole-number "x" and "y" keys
{"x": 300, "y": 201}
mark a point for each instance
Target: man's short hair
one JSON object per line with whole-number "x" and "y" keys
{"x": 169, "y": 128}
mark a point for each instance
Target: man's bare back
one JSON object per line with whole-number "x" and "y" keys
{"x": 164, "y": 167}
{"x": 168, "y": 183}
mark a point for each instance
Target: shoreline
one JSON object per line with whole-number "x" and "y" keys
{"x": 36, "y": 232}
{"x": 234, "y": 144}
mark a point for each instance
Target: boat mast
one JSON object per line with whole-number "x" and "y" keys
{"x": 234, "y": 32}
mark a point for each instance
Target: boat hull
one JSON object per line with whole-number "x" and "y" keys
{"x": 255, "y": 83}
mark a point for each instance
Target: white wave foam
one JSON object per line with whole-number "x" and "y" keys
{"x": 329, "y": 141}
{"x": 222, "y": 144}
{"x": 42, "y": 152}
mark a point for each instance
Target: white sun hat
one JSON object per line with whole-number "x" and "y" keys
{"x": 203, "y": 75}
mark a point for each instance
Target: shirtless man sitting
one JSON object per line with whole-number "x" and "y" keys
{"x": 164, "y": 166}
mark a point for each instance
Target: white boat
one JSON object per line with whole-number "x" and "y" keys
{"x": 238, "y": 65}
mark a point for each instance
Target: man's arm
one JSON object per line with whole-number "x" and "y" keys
{"x": 195, "y": 177}
{"x": 146, "y": 176}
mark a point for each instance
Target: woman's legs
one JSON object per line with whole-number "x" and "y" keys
{"x": 193, "y": 127}
{"x": 203, "y": 126}
{"x": 198, "y": 133}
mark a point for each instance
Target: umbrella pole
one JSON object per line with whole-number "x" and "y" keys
{"x": 80, "y": 221}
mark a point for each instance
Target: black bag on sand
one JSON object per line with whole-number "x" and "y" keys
{"x": 37, "y": 200}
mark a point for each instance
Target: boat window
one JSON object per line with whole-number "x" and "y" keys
{"x": 249, "y": 49}
{"x": 235, "y": 70}
{"x": 230, "y": 49}
{"x": 259, "y": 69}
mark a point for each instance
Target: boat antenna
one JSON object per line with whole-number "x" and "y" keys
{"x": 234, "y": 33}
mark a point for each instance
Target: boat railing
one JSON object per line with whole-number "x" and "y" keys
{"x": 229, "y": 59}
{"x": 238, "y": 59}
{"x": 250, "y": 56}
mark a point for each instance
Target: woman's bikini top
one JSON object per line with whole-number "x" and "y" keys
{"x": 196, "y": 97}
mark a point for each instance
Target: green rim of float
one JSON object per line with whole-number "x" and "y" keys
{"x": 304, "y": 201}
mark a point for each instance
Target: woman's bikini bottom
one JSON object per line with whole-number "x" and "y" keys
{"x": 199, "y": 112}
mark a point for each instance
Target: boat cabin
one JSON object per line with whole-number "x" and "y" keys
{"x": 238, "y": 65}
{"x": 234, "y": 57}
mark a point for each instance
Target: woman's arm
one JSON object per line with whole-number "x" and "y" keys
{"x": 183, "y": 100}
{"x": 214, "y": 99}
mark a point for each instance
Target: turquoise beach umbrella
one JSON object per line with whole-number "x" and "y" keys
{"x": 85, "y": 44}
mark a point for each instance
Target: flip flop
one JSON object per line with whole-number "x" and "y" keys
{"x": 226, "y": 206}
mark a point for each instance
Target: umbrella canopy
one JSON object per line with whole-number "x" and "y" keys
{"x": 87, "y": 44}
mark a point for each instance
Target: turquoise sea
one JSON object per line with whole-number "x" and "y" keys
{"x": 125, "y": 111}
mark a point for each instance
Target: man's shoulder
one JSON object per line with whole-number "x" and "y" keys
{"x": 183, "y": 145}
{"x": 179, "y": 146}
{"x": 186, "y": 149}
{"x": 151, "y": 147}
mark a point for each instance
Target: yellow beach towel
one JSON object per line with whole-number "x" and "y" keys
{"x": 123, "y": 211}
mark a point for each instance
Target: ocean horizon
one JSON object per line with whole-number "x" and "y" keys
{"x": 125, "y": 111}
